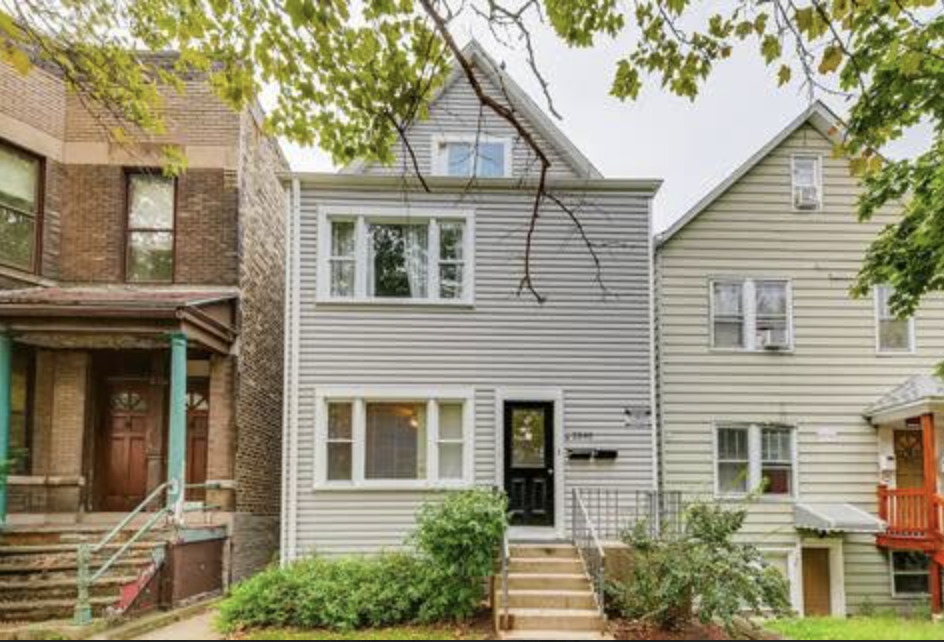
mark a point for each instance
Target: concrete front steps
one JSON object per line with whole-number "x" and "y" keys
{"x": 39, "y": 568}
{"x": 550, "y": 596}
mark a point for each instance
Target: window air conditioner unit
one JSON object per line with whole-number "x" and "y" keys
{"x": 773, "y": 340}
{"x": 806, "y": 198}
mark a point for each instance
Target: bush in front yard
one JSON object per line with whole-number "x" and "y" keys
{"x": 456, "y": 542}
{"x": 340, "y": 593}
{"x": 459, "y": 539}
{"x": 704, "y": 569}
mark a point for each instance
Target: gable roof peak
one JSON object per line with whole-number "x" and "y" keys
{"x": 817, "y": 114}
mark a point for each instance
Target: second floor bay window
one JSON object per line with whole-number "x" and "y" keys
{"x": 391, "y": 258}
{"x": 20, "y": 176}
{"x": 751, "y": 314}
{"x": 149, "y": 254}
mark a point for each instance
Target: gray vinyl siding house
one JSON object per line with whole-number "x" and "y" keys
{"x": 456, "y": 354}
{"x": 816, "y": 382}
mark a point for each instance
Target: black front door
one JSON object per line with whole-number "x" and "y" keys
{"x": 529, "y": 462}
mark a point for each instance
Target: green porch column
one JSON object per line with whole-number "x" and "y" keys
{"x": 6, "y": 410}
{"x": 177, "y": 439}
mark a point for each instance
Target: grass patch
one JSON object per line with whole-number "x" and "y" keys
{"x": 857, "y": 628}
{"x": 394, "y": 633}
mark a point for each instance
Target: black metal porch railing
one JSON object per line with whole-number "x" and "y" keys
{"x": 613, "y": 512}
{"x": 588, "y": 543}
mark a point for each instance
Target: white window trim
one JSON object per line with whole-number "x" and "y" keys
{"x": 912, "y": 331}
{"x": 360, "y": 396}
{"x": 440, "y": 160}
{"x": 367, "y": 213}
{"x": 792, "y": 553}
{"x": 755, "y": 463}
{"x": 749, "y": 312}
{"x": 837, "y": 573}
{"x": 819, "y": 182}
{"x": 891, "y": 577}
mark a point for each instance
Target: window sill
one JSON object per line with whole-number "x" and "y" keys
{"x": 392, "y": 486}
{"x": 895, "y": 353}
{"x": 392, "y": 302}
{"x": 787, "y": 351}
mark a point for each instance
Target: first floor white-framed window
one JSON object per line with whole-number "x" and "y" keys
{"x": 384, "y": 255}
{"x": 388, "y": 438}
{"x": 910, "y": 574}
{"x": 892, "y": 334}
{"x": 755, "y": 458}
{"x": 754, "y": 314}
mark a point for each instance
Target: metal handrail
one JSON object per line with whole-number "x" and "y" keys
{"x": 83, "y": 609}
{"x": 590, "y": 548}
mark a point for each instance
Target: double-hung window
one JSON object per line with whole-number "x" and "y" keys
{"x": 751, "y": 314}
{"x": 390, "y": 257}
{"x": 910, "y": 577}
{"x": 151, "y": 220}
{"x": 755, "y": 457}
{"x": 892, "y": 334}
{"x": 468, "y": 156}
{"x": 394, "y": 439}
{"x": 20, "y": 175}
{"x": 807, "y": 182}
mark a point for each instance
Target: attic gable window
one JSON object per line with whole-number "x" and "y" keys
{"x": 468, "y": 156}
{"x": 807, "y": 183}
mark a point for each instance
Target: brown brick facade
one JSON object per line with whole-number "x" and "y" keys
{"x": 229, "y": 233}
{"x": 205, "y": 231}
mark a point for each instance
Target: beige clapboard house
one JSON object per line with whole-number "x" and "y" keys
{"x": 772, "y": 377}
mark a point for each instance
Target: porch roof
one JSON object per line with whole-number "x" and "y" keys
{"x": 916, "y": 396}
{"x": 835, "y": 518}
{"x": 119, "y": 316}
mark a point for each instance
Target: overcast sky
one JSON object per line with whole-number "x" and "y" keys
{"x": 691, "y": 146}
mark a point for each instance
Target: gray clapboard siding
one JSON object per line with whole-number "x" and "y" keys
{"x": 595, "y": 348}
{"x": 457, "y": 111}
{"x": 824, "y": 384}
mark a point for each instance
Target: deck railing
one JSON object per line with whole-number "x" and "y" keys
{"x": 911, "y": 512}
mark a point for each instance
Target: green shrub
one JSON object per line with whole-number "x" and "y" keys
{"x": 459, "y": 538}
{"x": 341, "y": 593}
{"x": 703, "y": 567}
{"x": 456, "y": 543}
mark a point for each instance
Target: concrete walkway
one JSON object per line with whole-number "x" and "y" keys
{"x": 198, "y": 627}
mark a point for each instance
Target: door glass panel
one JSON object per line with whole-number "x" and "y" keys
{"x": 909, "y": 459}
{"x": 527, "y": 438}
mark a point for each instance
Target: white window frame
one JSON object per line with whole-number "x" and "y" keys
{"x": 892, "y": 573}
{"x": 440, "y": 157}
{"x": 749, "y": 313}
{"x": 912, "y": 333}
{"x": 818, "y": 175}
{"x": 363, "y": 216}
{"x": 360, "y": 396}
{"x": 755, "y": 463}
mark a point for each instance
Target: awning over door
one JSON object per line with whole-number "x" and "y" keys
{"x": 835, "y": 518}
{"x": 916, "y": 396}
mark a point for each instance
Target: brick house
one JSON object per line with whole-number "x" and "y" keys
{"x": 140, "y": 322}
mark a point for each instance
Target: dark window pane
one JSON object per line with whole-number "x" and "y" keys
{"x": 399, "y": 260}
{"x": 339, "y": 461}
{"x": 909, "y": 561}
{"x": 17, "y": 238}
{"x": 911, "y": 584}
{"x": 528, "y": 438}
{"x": 777, "y": 480}
{"x": 396, "y": 441}
{"x": 151, "y": 256}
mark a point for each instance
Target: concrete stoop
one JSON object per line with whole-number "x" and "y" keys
{"x": 550, "y": 596}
